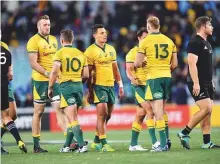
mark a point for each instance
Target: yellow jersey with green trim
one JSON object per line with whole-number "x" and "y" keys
{"x": 72, "y": 63}
{"x": 101, "y": 59}
{"x": 3, "y": 44}
{"x": 46, "y": 49}
{"x": 158, "y": 49}
{"x": 140, "y": 73}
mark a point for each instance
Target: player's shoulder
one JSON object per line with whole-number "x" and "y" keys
{"x": 52, "y": 37}
{"x": 196, "y": 39}
{"x": 167, "y": 38}
{"x": 4, "y": 45}
{"x": 133, "y": 50}
{"x": 109, "y": 46}
{"x": 34, "y": 38}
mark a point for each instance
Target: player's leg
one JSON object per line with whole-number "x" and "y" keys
{"x": 71, "y": 98}
{"x": 12, "y": 104}
{"x": 138, "y": 93}
{"x": 151, "y": 124}
{"x": 155, "y": 93}
{"x": 12, "y": 113}
{"x": 39, "y": 98}
{"x": 7, "y": 121}
{"x": 206, "y": 123}
{"x": 136, "y": 128}
{"x": 157, "y": 106}
{"x": 205, "y": 110}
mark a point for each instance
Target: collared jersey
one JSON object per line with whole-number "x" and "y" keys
{"x": 46, "y": 49}
{"x": 141, "y": 73}
{"x": 72, "y": 63}
{"x": 203, "y": 49}
{"x": 102, "y": 59}
{"x": 158, "y": 49}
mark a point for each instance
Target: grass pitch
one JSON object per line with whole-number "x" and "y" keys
{"x": 119, "y": 140}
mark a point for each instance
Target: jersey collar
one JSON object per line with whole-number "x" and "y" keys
{"x": 47, "y": 40}
{"x": 155, "y": 33}
{"x": 103, "y": 49}
{"x": 68, "y": 46}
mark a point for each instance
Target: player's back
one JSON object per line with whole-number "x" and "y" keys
{"x": 73, "y": 61}
{"x": 159, "y": 50}
{"x": 5, "y": 62}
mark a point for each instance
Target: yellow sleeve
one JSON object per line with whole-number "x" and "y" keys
{"x": 57, "y": 56}
{"x": 85, "y": 62}
{"x": 114, "y": 55}
{"x": 142, "y": 47}
{"x": 174, "y": 48}
{"x": 130, "y": 57}
{"x": 89, "y": 57}
{"x": 32, "y": 46}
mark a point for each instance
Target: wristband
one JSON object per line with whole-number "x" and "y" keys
{"x": 120, "y": 84}
{"x": 46, "y": 73}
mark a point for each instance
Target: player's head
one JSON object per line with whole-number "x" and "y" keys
{"x": 43, "y": 25}
{"x": 99, "y": 33}
{"x": 66, "y": 37}
{"x": 153, "y": 24}
{"x": 203, "y": 24}
{"x": 142, "y": 33}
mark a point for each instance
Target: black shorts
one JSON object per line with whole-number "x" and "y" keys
{"x": 206, "y": 91}
{"x": 4, "y": 97}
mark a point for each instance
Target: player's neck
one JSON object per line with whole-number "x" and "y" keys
{"x": 203, "y": 35}
{"x": 102, "y": 45}
{"x": 154, "y": 31}
{"x": 45, "y": 36}
{"x": 67, "y": 45}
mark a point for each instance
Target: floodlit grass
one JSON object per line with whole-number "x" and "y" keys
{"x": 119, "y": 140}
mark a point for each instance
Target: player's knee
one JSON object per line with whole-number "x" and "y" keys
{"x": 107, "y": 118}
{"x": 38, "y": 113}
{"x": 14, "y": 117}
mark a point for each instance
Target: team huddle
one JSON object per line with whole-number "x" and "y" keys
{"x": 59, "y": 75}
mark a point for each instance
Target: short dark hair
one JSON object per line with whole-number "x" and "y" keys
{"x": 46, "y": 17}
{"x": 141, "y": 31}
{"x": 67, "y": 35}
{"x": 201, "y": 21}
{"x": 95, "y": 27}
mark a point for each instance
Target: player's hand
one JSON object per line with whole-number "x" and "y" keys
{"x": 134, "y": 80}
{"x": 90, "y": 97}
{"x": 121, "y": 93}
{"x": 144, "y": 64}
{"x": 50, "y": 93}
{"x": 10, "y": 76}
{"x": 196, "y": 89}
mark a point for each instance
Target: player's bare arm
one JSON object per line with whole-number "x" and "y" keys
{"x": 139, "y": 60}
{"x": 130, "y": 73}
{"x": 90, "y": 85}
{"x": 192, "y": 60}
{"x": 10, "y": 73}
{"x": 85, "y": 74}
{"x": 117, "y": 77}
{"x": 36, "y": 66}
{"x": 53, "y": 77}
{"x": 174, "y": 62}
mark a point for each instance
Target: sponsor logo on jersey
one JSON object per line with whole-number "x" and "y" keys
{"x": 158, "y": 95}
{"x": 71, "y": 100}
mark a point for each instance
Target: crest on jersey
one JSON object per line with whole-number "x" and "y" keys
{"x": 111, "y": 54}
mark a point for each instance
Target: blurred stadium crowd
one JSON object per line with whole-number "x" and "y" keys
{"x": 121, "y": 19}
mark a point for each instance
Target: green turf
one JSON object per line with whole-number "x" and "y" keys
{"x": 177, "y": 155}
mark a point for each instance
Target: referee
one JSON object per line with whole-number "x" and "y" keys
{"x": 200, "y": 82}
